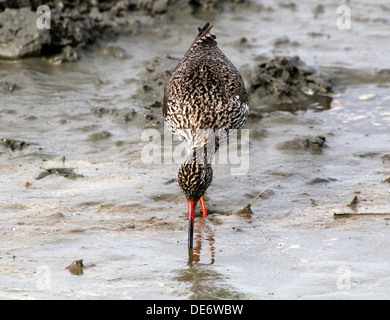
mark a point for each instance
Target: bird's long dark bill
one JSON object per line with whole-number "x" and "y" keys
{"x": 191, "y": 219}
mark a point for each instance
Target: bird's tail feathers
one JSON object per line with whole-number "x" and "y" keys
{"x": 204, "y": 35}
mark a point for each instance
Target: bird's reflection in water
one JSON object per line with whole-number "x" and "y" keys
{"x": 204, "y": 239}
{"x": 200, "y": 274}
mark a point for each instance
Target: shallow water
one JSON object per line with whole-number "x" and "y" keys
{"x": 127, "y": 220}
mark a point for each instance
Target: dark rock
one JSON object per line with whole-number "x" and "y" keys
{"x": 154, "y": 6}
{"x": 318, "y": 181}
{"x": 353, "y": 204}
{"x": 288, "y": 81}
{"x": 102, "y": 111}
{"x": 156, "y": 104}
{"x": 68, "y": 54}
{"x": 7, "y": 87}
{"x": 204, "y": 4}
{"x": 121, "y": 8}
{"x": 74, "y": 30}
{"x": 73, "y": 24}
{"x": 99, "y": 81}
{"x": 318, "y": 10}
{"x": 19, "y": 36}
{"x": 76, "y": 267}
{"x": 65, "y": 172}
{"x": 115, "y": 52}
{"x": 78, "y": 24}
{"x": 100, "y": 136}
{"x": 314, "y": 144}
{"x": 288, "y": 5}
{"x": 285, "y": 41}
{"x": 14, "y": 4}
{"x": 13, "y": 145}
{"x": 125, "y": 116}
{"x": 214, "y": 4}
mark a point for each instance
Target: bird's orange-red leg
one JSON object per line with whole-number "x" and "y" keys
{"x": 204, "y": 210}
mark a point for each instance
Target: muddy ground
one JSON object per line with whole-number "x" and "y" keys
{"x": 74, "y": 184}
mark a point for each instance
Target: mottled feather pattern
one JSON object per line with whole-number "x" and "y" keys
{"x": 205, "y": 102}
{"x": 205, "y": 90}
{"x": 194, "y": 179}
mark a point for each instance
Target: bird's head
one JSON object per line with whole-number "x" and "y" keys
{"x": 194, "y": 179}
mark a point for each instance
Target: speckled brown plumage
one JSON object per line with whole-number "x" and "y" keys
{"x": 194, "y": 179}
{"x": 204, "y": 103}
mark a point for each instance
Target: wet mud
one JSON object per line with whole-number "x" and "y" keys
{"x": 284, "y": 81}
{"x": 74, "y": 110}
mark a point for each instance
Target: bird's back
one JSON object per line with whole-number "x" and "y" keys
{"x": 205, "y": 90}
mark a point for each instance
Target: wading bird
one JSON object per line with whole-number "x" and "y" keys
{"x": 205, "y": 102}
